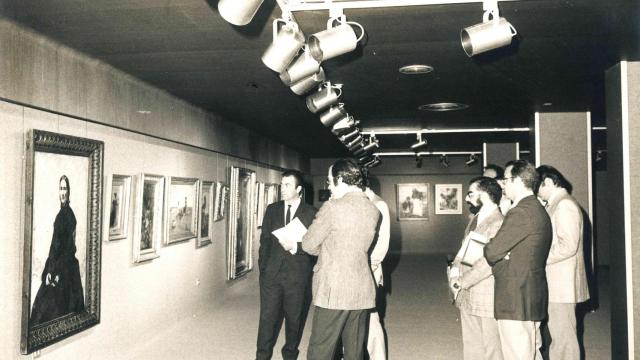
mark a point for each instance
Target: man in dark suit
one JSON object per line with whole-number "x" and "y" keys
{"x": 518, "y": 255}
{"x": 285, "y": 274}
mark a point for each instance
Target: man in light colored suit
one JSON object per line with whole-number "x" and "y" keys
{"x": 376, "y": 346}
{"x": 518, "y": 256}
{"x": 343, "y": 287}
{"x": 480, "y": 336}
{"x": 566, "y": 272}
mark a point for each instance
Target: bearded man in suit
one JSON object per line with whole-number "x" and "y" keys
{"x": 566, "y": 272}
{"x": 285, "y": 274}
{"x": 518, "y": 256}
{"x": 343, "y": 286}
{"x": 480, "y": 336}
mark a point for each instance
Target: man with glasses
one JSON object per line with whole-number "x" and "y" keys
{"x": 480, "y": 336}
{"x": 518, "y": 255}
{"x": 285, "y": 274}
{"x": 565, "y": 265}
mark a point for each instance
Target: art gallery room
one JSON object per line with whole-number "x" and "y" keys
{"x": 142, "y": 141}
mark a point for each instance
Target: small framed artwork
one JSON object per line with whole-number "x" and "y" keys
{"x": 182, "y": 219}
{"x": 119, "y": 211}
{"x": 217, "y": 202}
{"x": 148, "y": 229}
{"x": 272, "y": 194}
{"x": 206, "y": 213}
{"x": 62, "y": 238}
{"x": 242, "y": 205}
{"x": 222, "y": 201}
{"x": 412, "y": 201}
{"x": 448, "y": 199}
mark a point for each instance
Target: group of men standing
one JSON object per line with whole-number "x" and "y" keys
{"x": 349, "y": 235}
{"x": 532, "y": 270}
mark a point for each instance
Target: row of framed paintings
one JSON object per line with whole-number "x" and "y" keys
{"x": 167, "y": 210}
{"x": 412, "y": 200}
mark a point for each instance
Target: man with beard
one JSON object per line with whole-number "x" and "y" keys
{"x": 480, "y": 336}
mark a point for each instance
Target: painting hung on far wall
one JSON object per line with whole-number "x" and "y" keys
{"x": 221, "y": 202}
{"x": 412, "y": 201}
{"x": 119, "y": 211}
{"x": 206, "y": 213}
{"x": 448, "y": 199}
{"x": 182, "y": 218}
{"x": 241, "y": 221}
{"x": 62, "y": 238}
{"x": 261, "y": 203}
{"x": 148, "y": 229}
{"x": 272, "y": 194}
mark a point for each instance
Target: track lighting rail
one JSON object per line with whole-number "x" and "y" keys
{"x": 304, "y": 5}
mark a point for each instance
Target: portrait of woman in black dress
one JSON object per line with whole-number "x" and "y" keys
{"x": 61, "y": 290}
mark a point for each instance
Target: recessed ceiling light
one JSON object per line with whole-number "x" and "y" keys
{"x": 443, "y": 106}
{"x": 416, "y": 69}
{"x": 547, "y": 104}
{"x": 144, "y": 112}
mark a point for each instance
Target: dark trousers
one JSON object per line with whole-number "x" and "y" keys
{"x": 329, "y": 326}
{"x": 282, "y": 298}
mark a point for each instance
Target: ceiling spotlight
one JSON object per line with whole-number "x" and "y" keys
{"x": 418, "y": 160}
{"x": 473, "y": 158}
{"x": 444, "y": 161}
{"x": 348, "y": 136}
{"x": 305, "y": 85}
{"x": 326, "y": 96}
{"x": 355, "y": 143}
{"x": 420, "y": 143}
{"x": 492, "y": 33}
{"x": 601, "y": 155}
{"x": 331, "y": 116}
{"x": 238, "y": 12}
{"x": 344, "y": 125}
{"x": 303, "y": 66}
{"x": 373, "y": 163}
{"x": 336, "y": 40}
{"x": 285, "y": 46}
{"x": 373, "y": 144}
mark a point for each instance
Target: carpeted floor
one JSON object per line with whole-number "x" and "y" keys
{"x": 420, "y": 321}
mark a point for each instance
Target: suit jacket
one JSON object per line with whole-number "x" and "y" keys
{"x": 566, "y": 272}
{"x": 341, "y": 236}
{"x": 272, "y": 257}
{"x": 521, "y": 291}
{"x": 476, "y": 296}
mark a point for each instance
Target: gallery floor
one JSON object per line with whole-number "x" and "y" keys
{"x": 420, "y": 322}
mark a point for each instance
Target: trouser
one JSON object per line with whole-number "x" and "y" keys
{"x": 564, "y": 334}
{"x": 282, "y": 299}
{"x": 520, "y": 340}
{"x": 480, "y": 337}
{"x": 329, "y": 326}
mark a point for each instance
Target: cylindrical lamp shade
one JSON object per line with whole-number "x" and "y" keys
{"x": 310, "y": 82}
{"x": 330, "y": 43}
{"x": 238, "y": 12}
{"x": 305, "y": 65}
{"x": 322, "y": 99}
{"x": 331, "y": 116}
{"x": 486, "y": 36}
{"x": 283, "y": 49}
{"x": 344, "y": 125}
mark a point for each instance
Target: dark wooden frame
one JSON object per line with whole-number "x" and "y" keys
{"x": 42, "y": 335}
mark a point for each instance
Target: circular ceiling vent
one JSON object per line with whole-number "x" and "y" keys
{"x": 416, "y": 69}
{"x": 443, "y": 106}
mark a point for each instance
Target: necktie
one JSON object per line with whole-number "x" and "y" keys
{"x": 288, "y": 216}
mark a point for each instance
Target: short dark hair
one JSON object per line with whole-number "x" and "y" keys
{"x": 66, "y": 181}
{"x": 498, "y": 169}
{"x": 296, "y": 175}
{"x": 490, "y": 186}
{"x": 350, "y": 173}
{"x": 549, "y": 172}
{"x": 526, "y": 171}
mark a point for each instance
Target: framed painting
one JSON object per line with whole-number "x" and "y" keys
{"x": 182, "y": 218}
{"x": 119, "y": 211}
{"x": 205, "y": 215}
{"x": 261, "y": 203}
{"x": 148, "y": 229}
{"x": 62, "y": 238}
{"x": 222, "y": 201}
{"x": 448, "y": 198}
{"x": 412, "y": 201}
{"x": 242, "y": 205}
{"x": 272, "y": 194}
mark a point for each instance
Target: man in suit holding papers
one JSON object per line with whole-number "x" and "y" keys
{"x": 471, "y": 275}
{"x": 285, "y": 273}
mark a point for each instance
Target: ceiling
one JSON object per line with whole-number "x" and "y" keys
{"x": 184, "y": 47}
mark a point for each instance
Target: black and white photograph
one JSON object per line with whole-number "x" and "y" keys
{"x": 148, "y": 230}
{"x": 448, "y": 199}
{"x": 119, "y": 207}
{"x": 412, "y": 201}
{"x": 182, "y": 211}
